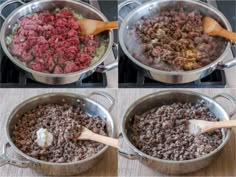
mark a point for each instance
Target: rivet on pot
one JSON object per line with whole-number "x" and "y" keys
{"x": 33, "y": 7}
{"x": 150, "y": 8}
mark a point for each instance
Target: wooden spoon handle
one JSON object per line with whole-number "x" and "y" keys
{"x": 228, "y": 34}
{"x": 111, "y": 25}
{"x": 221, "y": 124}
{"x": 104, "y": 140}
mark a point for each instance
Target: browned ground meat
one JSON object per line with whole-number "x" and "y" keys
{"x": 163, "y": 132}
{"x": 64, "y": 122}
{"x": 51, "y": 43}
{"x": 173, "y": 40}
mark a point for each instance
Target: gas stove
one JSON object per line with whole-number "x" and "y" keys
{"x": 130, "y": 76}
{"x": 12, "y": 77}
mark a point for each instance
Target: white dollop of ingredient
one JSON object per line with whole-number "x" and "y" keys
{"x": 194, "y": 129}
{"x": 44, "y": 138}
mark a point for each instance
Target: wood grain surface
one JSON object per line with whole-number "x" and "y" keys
{"x": 224, "y": 165}
{"x": 10, "y": 98}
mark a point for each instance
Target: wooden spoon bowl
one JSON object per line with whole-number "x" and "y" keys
{"x": 213, "y": 28}
{"x": 197, "y": 127}
{"x": 93, "y": 27}
{"x": 87, "y": 134}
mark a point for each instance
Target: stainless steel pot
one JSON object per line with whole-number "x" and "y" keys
{"x": 90, "y": 106}
{"x": 168, "y": 97}
{"x": 147, "y": 9}
{"x": 41, "y": 5}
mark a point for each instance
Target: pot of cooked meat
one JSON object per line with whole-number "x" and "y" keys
{"x": 61, "y": 115}
{"x": 165, "y": 39}
{"x": 43, "y": 39}
{"x": 155, "y": 127}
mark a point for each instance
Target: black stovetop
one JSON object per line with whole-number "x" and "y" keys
{"x": 12, "y": 77}
{"x": 130, "y": 76}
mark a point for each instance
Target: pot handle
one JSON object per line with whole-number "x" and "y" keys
{"x": 7, "y": 3}
{"x": 125, "y": 154}
{"x": 227, "y": 64}
{"x": 124, "y": 4}
{"x": 230, "y": 98}
{"x": 107, "y": 96}
{"x": 233, "y": 47}
{"x": 112, "y": 65}
{"x": 6, "y": 159}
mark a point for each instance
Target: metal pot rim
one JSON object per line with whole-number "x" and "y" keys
{"x": 19, "y": 64}
{"x": 34, "y": 160}
{"x": 141, "y": 154}
{"x": 146, "y": 5}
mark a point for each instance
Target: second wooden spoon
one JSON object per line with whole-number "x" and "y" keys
{"x": 93, "y": 27}
{"x": 197, "y": 127}
{"x": 213, "y": 28}
{"x": 87, "y": 134}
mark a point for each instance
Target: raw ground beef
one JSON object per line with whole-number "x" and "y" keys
{"x": 51, "y": 43}
{"x": 163, "y": 132}
{"x": 64, "y": 122}
{"x": 173, "y": 40}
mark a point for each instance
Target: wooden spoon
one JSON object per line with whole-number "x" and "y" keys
{"x": 197, "y": 127}
{"x": 86, "y": 134}
{"x": 212, "y": 27}
{"x": 93, "y": 27}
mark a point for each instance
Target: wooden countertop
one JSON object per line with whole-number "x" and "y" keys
{"x": 224, "y": 165}
{"x": 10, "y": 98}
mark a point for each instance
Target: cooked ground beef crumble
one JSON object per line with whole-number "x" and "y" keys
{"x": 173, "y": 40}
{"x": 163, "y": 132}
{"x": 64, "y": 122}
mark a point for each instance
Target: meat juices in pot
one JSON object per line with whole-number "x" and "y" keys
{"x": 173, "y": 40}
{"x": 64, "y": 122}
{"x": 50, "y": 42}
{"x": 163, "y": 132}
